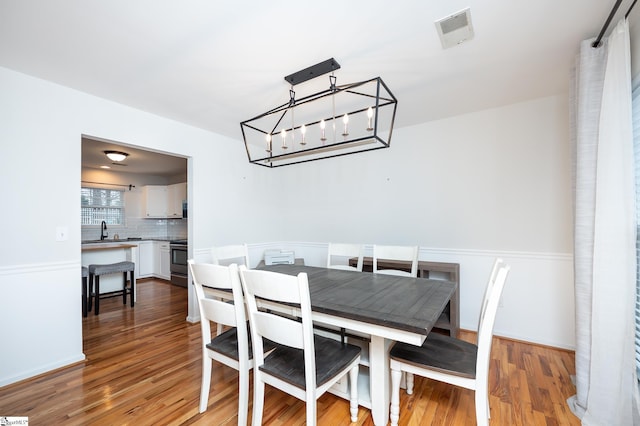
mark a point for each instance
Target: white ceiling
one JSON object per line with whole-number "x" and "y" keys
{"x": 213, "y": 64}
{"x": 139, "y": 161}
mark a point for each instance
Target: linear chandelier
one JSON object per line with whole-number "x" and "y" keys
{"x": 341, "y": 120}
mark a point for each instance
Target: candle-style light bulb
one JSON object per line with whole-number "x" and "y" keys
{"x": 303, "y": 130}
{"x": 369, "y": 118}
{"x": 322, "y": 126}
{"x": 268, "y": 139}
{"x": 284, "y": 139}
{"x": 345, "y": 120}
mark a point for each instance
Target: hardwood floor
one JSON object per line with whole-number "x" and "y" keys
{"x": 143, "y": 367}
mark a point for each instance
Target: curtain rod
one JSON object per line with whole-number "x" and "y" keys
{"x": 110, "y": 184}
{"x": 596, "y": 43}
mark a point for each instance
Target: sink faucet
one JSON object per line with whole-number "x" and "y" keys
{"x": 103, "y": 227}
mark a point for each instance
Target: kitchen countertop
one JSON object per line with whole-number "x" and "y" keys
{"x": 125, "y": 240}
{"x": 106, "y": 246}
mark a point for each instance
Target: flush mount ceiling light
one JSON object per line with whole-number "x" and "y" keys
{"x": 116, "y": 155}
{"x": 340, "y": 120}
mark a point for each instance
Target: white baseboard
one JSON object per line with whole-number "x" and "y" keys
{"x": 41, "y": 369}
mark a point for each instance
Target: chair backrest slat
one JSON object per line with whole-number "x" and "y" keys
{"x": 218, "y": 311}
{"x": 226, "y": 255}
{"x": 344, "y": 252}
{"x": 279, "y": 329}
{"x": 398, "y": 253}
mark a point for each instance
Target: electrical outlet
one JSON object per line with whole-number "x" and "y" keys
{"x": 62, "y": 233}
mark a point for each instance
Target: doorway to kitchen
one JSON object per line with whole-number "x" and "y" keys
{"x": 151, "y": 207}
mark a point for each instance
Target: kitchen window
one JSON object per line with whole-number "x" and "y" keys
{"x": 99, "y": 205}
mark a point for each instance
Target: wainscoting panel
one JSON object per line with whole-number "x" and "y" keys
{"x": 41, "y": 319}
{"x": 537, "y": 304}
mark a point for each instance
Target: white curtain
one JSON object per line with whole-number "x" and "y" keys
{"x": 605, "y": 234}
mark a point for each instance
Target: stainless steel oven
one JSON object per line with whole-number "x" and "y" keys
{"x": 179, "y": 267}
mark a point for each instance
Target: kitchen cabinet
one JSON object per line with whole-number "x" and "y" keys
{"x": 164, "y": 201}
{"x": 155, "y": 201}
{"x": 176, "y": 196}
{"x": 162, "y": 257}
{"x": 146, "y": 262}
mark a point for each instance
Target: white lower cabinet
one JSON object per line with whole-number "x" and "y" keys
{"x": 164, "y": 257}
{"x": 153, "y": 260}
{"x": 146, "y": 262}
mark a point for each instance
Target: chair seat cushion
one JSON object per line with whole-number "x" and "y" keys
{"x": 111, "y": 268}
{"x": 332, "y": 356}
{"x": 441, "y": 353}
{"x": 227, "y": 343}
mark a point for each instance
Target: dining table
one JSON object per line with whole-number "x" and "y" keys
{"x": 382, "y": 308}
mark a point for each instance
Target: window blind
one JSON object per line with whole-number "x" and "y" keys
{"x": 97, "y": 205}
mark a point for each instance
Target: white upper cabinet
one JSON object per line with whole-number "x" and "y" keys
{"x": 176, "y": 196}
{"x": 155, "y": 201}
{"x": 163, "y": 202}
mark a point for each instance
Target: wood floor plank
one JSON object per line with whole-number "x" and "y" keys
{"x": 144, "y": 364}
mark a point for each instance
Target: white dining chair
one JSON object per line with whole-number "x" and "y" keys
{"x": 451, "y": 360}
{"x": 338, "y": 256}
{"x": 303, "y": 365}
{"x": 226, "y": 255}
{"x": 396, "y": 253}
{"x": 233, "y": 347}
{"x": 497, "y": 264}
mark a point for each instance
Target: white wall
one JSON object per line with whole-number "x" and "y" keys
{"x": 466, "y": 189}
{"x": 496, "y": 179}
{"x": 40, "y": 168}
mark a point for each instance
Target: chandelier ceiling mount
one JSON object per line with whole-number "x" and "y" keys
{"x": 341, "y": 120}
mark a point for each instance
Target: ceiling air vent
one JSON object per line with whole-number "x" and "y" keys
{"x": 455, "y": 29}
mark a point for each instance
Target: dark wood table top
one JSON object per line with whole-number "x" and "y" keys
{"x": 409, "y": 304}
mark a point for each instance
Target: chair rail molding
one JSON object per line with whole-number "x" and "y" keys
{"x": 39, "y": 267}
{"x": 538, "y": 280}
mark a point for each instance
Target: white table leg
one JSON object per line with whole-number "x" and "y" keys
{"x": 379, "y": 379}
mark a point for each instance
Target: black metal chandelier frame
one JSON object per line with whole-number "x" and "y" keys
{"x": 374, "y": 102}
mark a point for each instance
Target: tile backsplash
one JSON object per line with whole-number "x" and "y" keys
{"x": 170, "y": 229}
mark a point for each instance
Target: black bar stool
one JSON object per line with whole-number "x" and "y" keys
{"x": 95, "y": 271}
